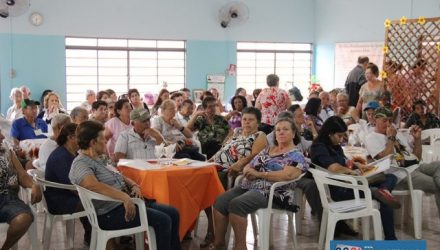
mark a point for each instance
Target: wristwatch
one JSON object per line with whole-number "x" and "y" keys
{"x": 392, "y": 138}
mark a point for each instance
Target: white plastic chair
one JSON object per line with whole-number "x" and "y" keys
{"x": 349, "y": 209}
{"x": 51, "y": 219}
{"x": 433, "y": 134}
{"x": 100, "y": 236}
{"x": 265, "y": 214}
{"x": 430, "y": 153}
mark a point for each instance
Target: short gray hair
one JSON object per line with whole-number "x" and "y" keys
{"x": 13, "y": 92}
{"x": 60, "y": 120}
{"x": 77, "y": 111}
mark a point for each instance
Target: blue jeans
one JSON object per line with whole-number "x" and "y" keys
{"x": 386, "y": 212}
{"x": 164, "y": 219}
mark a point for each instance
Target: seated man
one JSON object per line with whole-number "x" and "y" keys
{"x": 29, "y": 126}
{"x": 386, "y": 140}
{"x": 138, "y": 142}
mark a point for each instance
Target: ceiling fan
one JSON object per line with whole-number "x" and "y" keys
{"x": 13, "y": 7}
{"x": 233, "y": 13}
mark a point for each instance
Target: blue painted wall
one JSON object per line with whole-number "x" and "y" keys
{"x": 210, "y": 57}
{"x": 39, "y": 62}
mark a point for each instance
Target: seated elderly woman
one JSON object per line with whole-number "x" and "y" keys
{"x": 90, "y": 172}
{"x": 13, "y": 210}
{"x": 174, "y": 132}
{"x": 327, "y": 152}
{"x": 57, "y": 170}
{"x": 51, "y": 107}
{"x": 280, "y": 163}
{"x": 212, "y": 128}
{"x": 237, "y": 151}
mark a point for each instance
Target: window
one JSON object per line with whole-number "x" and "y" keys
{"x": 290, "y": 61}
{"x": 120, "y": 64}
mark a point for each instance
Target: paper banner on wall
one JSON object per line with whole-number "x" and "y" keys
{"x": 346, "y": 55}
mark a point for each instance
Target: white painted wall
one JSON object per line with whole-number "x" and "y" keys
{"x": 274, "y": 20}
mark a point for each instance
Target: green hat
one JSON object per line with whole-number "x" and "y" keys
{"x": 27, "y": 102}
{"x": 139, "y": 114}
{"x": 383, "y": 112}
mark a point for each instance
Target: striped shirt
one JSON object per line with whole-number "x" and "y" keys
{"x": 134, "y": 147}
{"x": 83, "y": 166}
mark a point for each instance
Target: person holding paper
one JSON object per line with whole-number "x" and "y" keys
{"x": 327, "y": 152}
{"x": 386, "y": 140}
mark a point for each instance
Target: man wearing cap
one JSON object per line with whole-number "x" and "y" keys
{"x": 138, "y": 142}
{"x": 386, "y": 140}
{"x": 369, "y": 111}
{"x": 29, "y": 126}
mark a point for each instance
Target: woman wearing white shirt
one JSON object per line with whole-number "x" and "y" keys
{"x": 14, "y": 112}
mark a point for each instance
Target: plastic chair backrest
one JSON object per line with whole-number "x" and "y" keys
{"x": 86, "y": 197}
{"x": 433, "y": 134}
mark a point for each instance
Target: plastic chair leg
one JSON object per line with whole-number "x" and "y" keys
{"x": 292, "y": 228}
{"x": 48, "y": 231}
{"x": 139, "y": 238}
{"x": 323, "y": 229}
{"x": 417, "y": 213}
{"x": 33, "y": 235}
{"x": 331, "y": 225}
{"x": 366, "y": 228}
{"x": 264, "y": 229}
{"x": 377, "y": 225}
{"x": 254, "y": 226}
{"x": 93, "y": 239}
{"x": 152, "y": 239}
{"x": 101, "y": 242}
{"x": 70, "y": 233}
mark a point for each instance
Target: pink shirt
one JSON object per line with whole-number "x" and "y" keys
{"x": 273, "y": 101}
{"x": 116, "y": 126}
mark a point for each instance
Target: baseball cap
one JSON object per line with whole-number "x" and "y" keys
{"x": 139, "y": 114}
{"x": 27, "y": 102}
{"x": 372, "y": 105}
{"x": 383, "y": 112}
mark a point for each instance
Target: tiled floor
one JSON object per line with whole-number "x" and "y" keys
{"x": 307, "y": 240}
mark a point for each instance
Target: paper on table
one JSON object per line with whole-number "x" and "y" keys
{"x": 140, "y": 164}
{"x": 194, "y": 163}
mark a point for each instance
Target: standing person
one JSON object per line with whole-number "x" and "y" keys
{"x": 212, "y": 128}
{"x": 13, "y": 210}
{"x": 355, "y": 79}
{"x": 117, "y": 124}
{"x": 271, "y": 101}
{"x": 372, "y": 90}
{"x": 326, "y": 107}
{"x": 15, "y": 112}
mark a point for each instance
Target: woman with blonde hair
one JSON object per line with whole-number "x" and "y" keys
{"x": 51, "y": 107}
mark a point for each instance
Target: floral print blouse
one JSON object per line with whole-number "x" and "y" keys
{"x": 8, "y": 175}
{"x": 237, "y": 147}
{"x": 273, "y": 101}
{"x": 264, "y": 162}
{"x": 215, "y": 132}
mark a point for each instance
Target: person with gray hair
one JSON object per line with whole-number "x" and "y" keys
{"x": 271, "y": 101}
{"x": 79, "y": 114}
{"x": 58, "y": 122}
{"x": 90, "y": 99}
{"x": 15, "y": 112}
{"x": 26, "y": 92}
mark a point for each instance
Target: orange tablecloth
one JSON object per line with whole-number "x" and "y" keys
{"x": 190, "y": 190}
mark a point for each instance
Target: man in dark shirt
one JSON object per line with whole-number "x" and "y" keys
{"x": 355, "y": 79}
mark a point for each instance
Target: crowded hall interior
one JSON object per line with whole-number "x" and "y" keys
{"x": 222, "y": 124}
